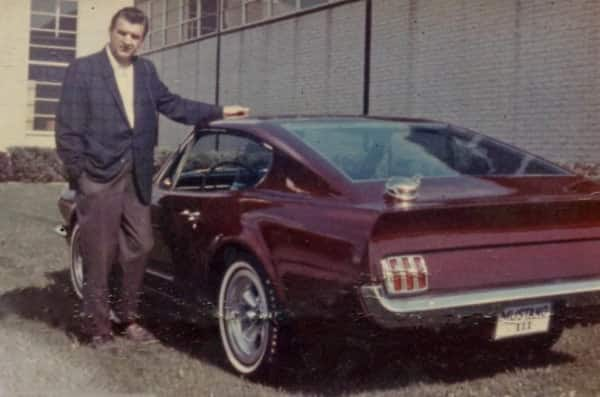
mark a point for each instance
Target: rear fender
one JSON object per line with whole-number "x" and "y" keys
{"x": 252, "y": 244}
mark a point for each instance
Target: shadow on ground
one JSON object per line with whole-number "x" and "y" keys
{"x": 424, "y": 357}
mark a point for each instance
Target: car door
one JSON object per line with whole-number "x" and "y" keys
{"x": 201, "y": 203}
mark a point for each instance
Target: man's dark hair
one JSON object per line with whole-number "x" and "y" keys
{"x": 132, "y": 15}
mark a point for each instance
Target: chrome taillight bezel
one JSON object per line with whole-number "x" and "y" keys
{"x": 404, "y": 274}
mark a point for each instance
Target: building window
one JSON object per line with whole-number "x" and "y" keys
{"x": 241, "y": 12}
{"x": 175, "y": 21}
{"x": 281, "y": 7}
{"x": 232, "y": 13}
{"x": 208, "y": 16}
{"x": 52, "y": 40}
{"x": 311, "y": 3}
{"x": 256, "y": 10}
{"x": 190, "y": 20}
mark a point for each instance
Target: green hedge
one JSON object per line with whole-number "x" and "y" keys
{"x": 34, "y": 164}
{"x": 590, "y": 170}
{"x": 5, "y": 167}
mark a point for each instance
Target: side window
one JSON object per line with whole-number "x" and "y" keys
{"x": 224, "y": 161}
{"x": 482, "y": 156}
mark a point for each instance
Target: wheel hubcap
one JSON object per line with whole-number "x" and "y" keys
{"x": 246, "y": 316}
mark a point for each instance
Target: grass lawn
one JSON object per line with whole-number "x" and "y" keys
{"x": 39, "y": 357}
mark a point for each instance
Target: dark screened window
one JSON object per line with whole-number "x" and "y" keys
{"x": 232, "y": 13}
{"x": 47, "y": 73}
{"x": 52, "y": 45}
{"x": 45, "y": 38}
{"x": 50, "y": 54}
{"x": 43, "y": 123}
{"x": 208, "y": 17}
{"x": 284, "y": 7}
{"x": 48, "y": 6}
{"x": 45, "y": 107}
{"x": 311, "y": 3}
{"x": 175, "y": 21}
{"x": 219, "y": 161}
{"x": 47, "y": 91}
{"x": 256, "y": 11}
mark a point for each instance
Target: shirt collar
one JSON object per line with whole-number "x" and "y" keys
{"x": 113, "y": 62}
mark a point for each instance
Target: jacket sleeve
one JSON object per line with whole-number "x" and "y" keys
{"x": 179, "y": 109}
{"x": 71, "y": 120}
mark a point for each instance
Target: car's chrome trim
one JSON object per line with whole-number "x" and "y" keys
{"x": 61, "y": 230}
{"x": 159, "y": 274}
{"x": 396, "y": 311}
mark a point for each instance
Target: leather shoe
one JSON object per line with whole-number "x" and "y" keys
{"x": 102, "y": 342}
{"x": 139, "y": 334}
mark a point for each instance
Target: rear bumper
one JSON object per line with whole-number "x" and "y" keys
{"x": 435, "y": 310}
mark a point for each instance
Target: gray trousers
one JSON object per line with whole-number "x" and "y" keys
{"x": 115, "y": 228}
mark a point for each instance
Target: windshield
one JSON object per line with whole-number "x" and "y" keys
{"x": 375, "y": 149}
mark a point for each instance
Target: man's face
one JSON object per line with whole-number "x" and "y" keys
{"x": 125, "y": 39}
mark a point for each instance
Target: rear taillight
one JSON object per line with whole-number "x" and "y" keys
{"x": 405, "y": 274}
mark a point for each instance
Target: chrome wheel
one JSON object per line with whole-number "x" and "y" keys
{"x": 76, "y": 263}
{"x": 245, "y": 318}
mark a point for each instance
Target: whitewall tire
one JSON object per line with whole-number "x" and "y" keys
{"x": 248, "y": 314}
{"x": 77, "y": 266}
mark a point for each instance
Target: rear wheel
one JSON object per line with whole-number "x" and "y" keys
{"x": 249, "y": 318}
{"x": 76, "y": 270}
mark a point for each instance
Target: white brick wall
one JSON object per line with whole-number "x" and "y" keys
{"x": 189, "y": 71}
{"x": 524, "y": 71}
{"x": 16, "y": 103}
{"x": 311, "y": 64}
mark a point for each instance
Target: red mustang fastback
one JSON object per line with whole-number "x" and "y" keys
{"x": 391, "y": 222}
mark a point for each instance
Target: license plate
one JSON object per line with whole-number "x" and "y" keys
{"x": 523, "y": 320}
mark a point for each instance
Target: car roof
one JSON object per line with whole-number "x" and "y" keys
{"x": 279, "y": 119}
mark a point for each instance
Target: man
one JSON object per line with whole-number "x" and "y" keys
{"x": 106, "y": 130}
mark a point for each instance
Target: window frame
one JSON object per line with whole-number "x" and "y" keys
{"x": 220, "y": 11}
{"x": 32, "y": 84}
{"x": 180, "y": 25}
{"x": 184, "y": 152}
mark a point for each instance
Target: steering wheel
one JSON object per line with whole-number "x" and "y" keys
{"x": 227, "y": 162}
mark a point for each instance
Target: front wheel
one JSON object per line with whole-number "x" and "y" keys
{"x": 77, "y": 271}
{"x": 249, "y": 320}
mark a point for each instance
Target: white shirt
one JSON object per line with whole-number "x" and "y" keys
{"x": 124, "y": 78}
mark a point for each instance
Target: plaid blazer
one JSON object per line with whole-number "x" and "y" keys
{"x": 92, "y": 132}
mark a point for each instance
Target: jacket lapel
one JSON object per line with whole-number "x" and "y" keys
{"x": 140, "y": 82}
{"x": 111, "y": 83}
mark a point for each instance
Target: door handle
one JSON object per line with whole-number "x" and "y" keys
{"x": 192, "y": 216}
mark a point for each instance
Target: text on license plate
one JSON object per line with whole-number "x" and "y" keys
{"x": 523, "y": 320}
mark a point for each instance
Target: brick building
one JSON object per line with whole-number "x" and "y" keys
{"x": 525, "y": 71}
{"x": 39, "y": 39}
